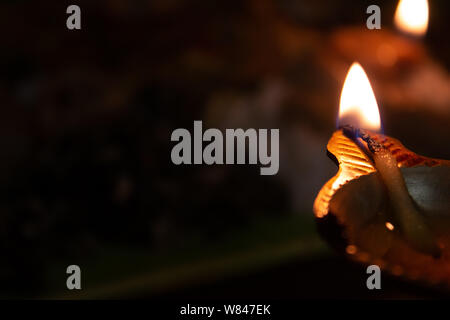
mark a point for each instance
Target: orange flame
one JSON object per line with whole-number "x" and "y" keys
{"x": 411, "y": 17}
{"x": 358, "y": 106}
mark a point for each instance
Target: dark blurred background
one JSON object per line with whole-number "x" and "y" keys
{"x": 86, "y": 118}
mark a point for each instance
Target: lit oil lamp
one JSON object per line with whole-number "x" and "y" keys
{"x": 386, "y": 205}
{"x": 386, "y": 48}
{"x": 405, "y": 74}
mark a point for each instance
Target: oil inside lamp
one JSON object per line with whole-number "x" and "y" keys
{"x": 386, "y": 205}
{"x": 411, "y": 17}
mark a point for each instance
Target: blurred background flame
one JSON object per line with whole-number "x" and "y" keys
{"x": 411, "y": 16}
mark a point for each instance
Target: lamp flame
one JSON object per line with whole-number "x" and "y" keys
{"x": 411, "y": 17}
{"x": 358, "y": 106}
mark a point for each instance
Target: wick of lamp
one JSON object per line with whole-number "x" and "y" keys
{"x": 406, "y": 214}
